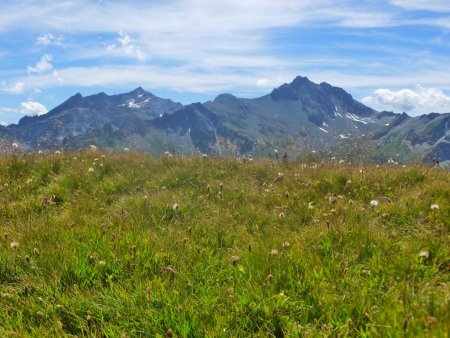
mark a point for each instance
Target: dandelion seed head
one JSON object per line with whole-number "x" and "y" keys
{"x": 374, "y": 203}
{"x": 332, "y": 199}
{"x": 279, "y": 178}
{"x": 91, "y": 170}
{"x": 273, "y": 252}
{"x": 434, "y": 207}
{"x": 175, "y": 206}
{"x": 234, "y": 259}
{"x": 424, "y": 254}
{"x": 14, "y": 245}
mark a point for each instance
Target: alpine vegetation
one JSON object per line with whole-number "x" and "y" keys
{"x": 97, "y": 244}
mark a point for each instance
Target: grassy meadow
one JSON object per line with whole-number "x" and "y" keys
{"x": 95, "y": 244}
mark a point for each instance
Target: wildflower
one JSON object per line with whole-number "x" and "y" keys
{"x": 170, "y": 270}
{"x": 57, "y": 152}
{"x": 36, "y": 251}
{"x": 234, "y": 259}
{"x": 15, "y": 145}
{"x": 126, "y": 149}
{"x": 204, "y": 155}
{"x": 332, "y": 199}
{"x": 281, "y": 215}
{"x": 29, "y": 181}
{"x": 279, "y": 178}
{"x": 93, "y": 147}
{"x": 269, "y": 277}
{"x": 176, "y": 206}
{"x": 91, "y": 259}
{"x": 311, "y": 205}
{"x": 40, "y": 314}
{"x": 341, "y": 161}
{"x": 286, "y": 245}
{"x": 91, "y": 170}
{"x": 273, "y": 252}
{"x": 374, "y": 203}
{"x": 424, "y": 254}
{"x": 14, "y": 245}
{"x": 40, "y": 152}
{"x": 434, "y": 207}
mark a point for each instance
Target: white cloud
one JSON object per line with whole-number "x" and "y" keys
{"x": 32, "y": 108}
{"x": 126, "y": 47}
{"x": 5, "y": 110}
{"x": 16, "y": 88}
{"x": 427, "y": 5}
{"x": 416, "y": 101}
{"x": 50, "y": 39}
{"x": 262, "y": 82}
{"x": 42, "y": 66}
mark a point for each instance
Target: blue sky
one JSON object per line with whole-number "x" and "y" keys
{"x": 392, "y": 55}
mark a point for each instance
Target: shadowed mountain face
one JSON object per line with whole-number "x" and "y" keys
{"x": 300, "y": 112}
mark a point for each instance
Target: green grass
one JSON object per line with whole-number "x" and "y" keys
{"x": 117, "y": 259}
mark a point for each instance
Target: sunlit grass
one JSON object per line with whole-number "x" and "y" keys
{"x": 101, "y": 244}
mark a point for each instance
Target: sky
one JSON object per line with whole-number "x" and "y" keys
{"x": 391, "y": 55}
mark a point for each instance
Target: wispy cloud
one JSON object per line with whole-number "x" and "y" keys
{"x": 127, "y": 47}
{"x": 15, "y": 88}
{"x": 43, "y": 65}
{"x": 50, "y": 39}
{"x": 427, "y": 5}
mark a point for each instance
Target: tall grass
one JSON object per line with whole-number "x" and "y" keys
{"x": 192, "y": 246}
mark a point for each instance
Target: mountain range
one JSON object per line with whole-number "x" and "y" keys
{"x": 297, "y": 117}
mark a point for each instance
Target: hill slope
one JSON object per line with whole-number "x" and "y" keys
{"x": 96, "y": 244}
